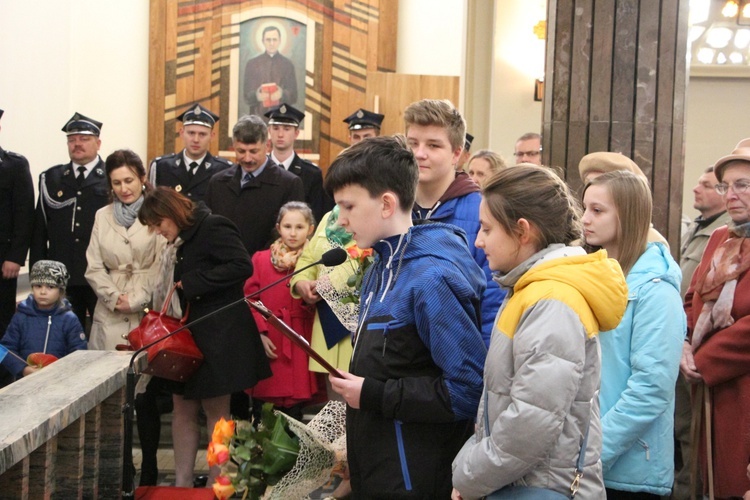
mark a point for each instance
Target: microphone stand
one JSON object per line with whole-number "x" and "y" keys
{"x": 128, "y": 468}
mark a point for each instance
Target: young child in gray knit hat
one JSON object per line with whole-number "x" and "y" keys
{"x": 44, "y": 322}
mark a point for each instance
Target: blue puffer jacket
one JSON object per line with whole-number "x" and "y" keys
{"x": 640, "y": 361}
{"x": 460, "y": 206}
{"x": 31, "y": 326}
{"x": 420, "y": 351}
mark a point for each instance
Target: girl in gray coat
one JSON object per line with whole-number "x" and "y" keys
{"x": 541, "y": 377}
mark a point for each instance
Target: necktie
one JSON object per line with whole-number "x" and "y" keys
{"x": 193, "y": 168}
{"x": 245, "y": 179}
{"x": 81, "y": 175}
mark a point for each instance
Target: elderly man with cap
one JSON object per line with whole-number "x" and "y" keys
{"x": 69, "y": 196}
{"x": 188, "y": 171}
{"x": 595, "y": 164}
{"x": 716, "y": 354}
{"x": 283, "y": 129}
{"x": 17, "y": 207}
{"x": 363, "y": 124}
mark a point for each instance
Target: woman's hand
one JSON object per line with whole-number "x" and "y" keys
{"x": 268, "y": 346}
{"x": 687, "y": 365}
{"x": 455, "y": 495}
{"x": 306, "y": 290}
{"x": 123, "y": 305}
{"x": 350, "y": 387}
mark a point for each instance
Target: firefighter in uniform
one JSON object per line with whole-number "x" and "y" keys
{"x": 69, "y": 196}
{"x": 189, "y": 170}
{"x": 17, "y": 209}
{"x": 363, "y": 124}
{"x": 283, "y": 129}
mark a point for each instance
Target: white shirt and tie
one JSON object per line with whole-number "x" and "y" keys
{"x": 83, "y": 171}
{"x": 192, "y": 165}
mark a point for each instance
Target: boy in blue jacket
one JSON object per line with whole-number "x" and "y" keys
{"x": 436, "y": 133}
{"x": 416, "y": 369}
{"x": 44, "y": 322}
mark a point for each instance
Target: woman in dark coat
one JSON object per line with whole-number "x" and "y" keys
{"x": 210, "y": 270}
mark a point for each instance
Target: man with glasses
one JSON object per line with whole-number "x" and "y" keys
{"x": 529, "y": 149}
{"x": 69, "y": 196}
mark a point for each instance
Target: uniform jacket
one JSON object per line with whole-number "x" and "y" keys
{"x": 460, "y": 206}
{"x": 419, "y": 348}
{"x": 292, "y": 381}
{"x": 17, "y": 207}
{"x": 253, "y": 208}
{"x": 312, "y": 181}
{"x": 723, "y": 360}
{"x": 693, "y": 245}
{"x": 31, "y": 327}
{"x": 65, "y": 216}
{"x": 542, "y": 376}
{"x": 213, "y": 267}
{"x": 170, "y": 170}
{"x": 640, "y": 362}
{"x": 120, "y": 261}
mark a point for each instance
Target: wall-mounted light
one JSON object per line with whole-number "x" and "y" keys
{"x": 737, "y": 9}
{"x": 538, "y": 89}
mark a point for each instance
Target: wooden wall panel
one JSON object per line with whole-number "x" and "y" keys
{"x": 396, "y": 91}
{"x": 194, "y": 44}
{"x": 615, "y": 81}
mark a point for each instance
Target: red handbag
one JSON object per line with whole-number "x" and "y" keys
{"x": 177, "y": 357}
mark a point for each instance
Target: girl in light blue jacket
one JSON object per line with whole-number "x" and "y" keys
{"x": 641, "y": 357}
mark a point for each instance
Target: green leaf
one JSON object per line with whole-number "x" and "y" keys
{"x": 242, "y": 452}
{"x": 280, "y": 452}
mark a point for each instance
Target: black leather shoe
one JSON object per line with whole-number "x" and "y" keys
{"x": 200, "y": 482}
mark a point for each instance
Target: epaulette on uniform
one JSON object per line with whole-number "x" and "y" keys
{"x": 219, "y": 159}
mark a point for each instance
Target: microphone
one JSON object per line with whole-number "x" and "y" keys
{"x": 331, "y": 258}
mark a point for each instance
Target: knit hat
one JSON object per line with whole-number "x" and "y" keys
{"x": 604, "y": 162}
{"x": 741, "y": 153}
{"x": 49, "y": 272}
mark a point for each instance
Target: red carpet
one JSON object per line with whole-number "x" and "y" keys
{"x": 173, "y": 493}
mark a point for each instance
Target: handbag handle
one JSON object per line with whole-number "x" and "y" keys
{"x": 168, "y": 301}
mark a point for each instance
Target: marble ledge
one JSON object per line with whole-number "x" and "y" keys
{"x": 36, "y": 408}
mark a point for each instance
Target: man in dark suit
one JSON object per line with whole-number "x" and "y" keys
{"x": 188, "y": 171}
{"x": 69, "y": 196}
{"x": 283, "y": 128}
{"x": 17, "y": 209}
{"x": 251, "y": 192}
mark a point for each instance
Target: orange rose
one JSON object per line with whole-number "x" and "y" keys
{"x": 353, "y": 251}
{"x": 223, "y": 488}
{"x": 367, "y": 252}
{"x": 223, "y": 431}
{"x": 217, "y": 454}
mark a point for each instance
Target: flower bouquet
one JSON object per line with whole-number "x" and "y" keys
{"x": 281, "y": 458}
{"x": 361, "y": 258}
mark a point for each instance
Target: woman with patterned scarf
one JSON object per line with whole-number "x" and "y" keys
{"x": 716, "y": 355}
{"x": 123, "y": 256}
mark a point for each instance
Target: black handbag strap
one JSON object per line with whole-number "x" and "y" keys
{"x": 581, "y": 452}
